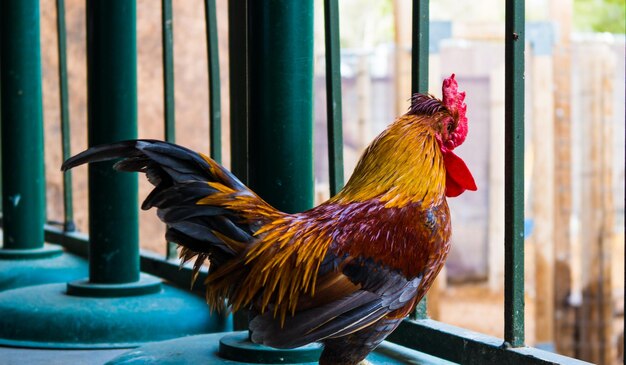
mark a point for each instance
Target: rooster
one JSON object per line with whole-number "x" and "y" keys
{"x": 344, "y": 273}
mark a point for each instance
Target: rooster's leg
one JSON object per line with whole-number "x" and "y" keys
{"x": 353, "y": 348}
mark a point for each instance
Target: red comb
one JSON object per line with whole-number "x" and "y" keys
{"x": 454, "y": 101}
{"x": 458, "y": 176}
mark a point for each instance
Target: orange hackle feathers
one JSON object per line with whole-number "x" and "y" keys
{"x": 392, "y": 167}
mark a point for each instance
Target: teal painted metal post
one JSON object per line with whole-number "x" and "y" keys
{"x": 112, "y": 113}
{"x": 280, "y": 62}
{"x": 419, "y": 81}
{"x": 333, "y": 96}
{"x": 514, "y": 174}
{"x": 22, "y": 126}
{"x": 23, "y": 180}
{"x": 23, "y": 175}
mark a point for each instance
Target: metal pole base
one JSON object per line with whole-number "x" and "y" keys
{"x": 147, "y": 284}
{"x": 46, "y": 251}
{"x": 49, "y": 264}
{"x": 238, "y": 347}
{"x": 46, "y": 316}
{"x": 208, "y": 349}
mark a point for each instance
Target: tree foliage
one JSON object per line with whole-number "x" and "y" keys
{"x": 600, "y": 16}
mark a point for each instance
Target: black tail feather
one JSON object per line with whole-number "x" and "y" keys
{"x": 181, "y": 178}
{"x": 101, "y": 153}
{"x": 167, "y": 195}
{"x": 181, "y": 213}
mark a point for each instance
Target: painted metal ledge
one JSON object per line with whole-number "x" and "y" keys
{"x": 209, "y": 349}
{"x": 463, "y": 346}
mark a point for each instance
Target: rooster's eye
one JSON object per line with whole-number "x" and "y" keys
{"x": 450, "y": 127}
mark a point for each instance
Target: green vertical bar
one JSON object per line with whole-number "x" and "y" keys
{"x": 281, "y": 102}
{"x": 112, "y": 116}
{"x": 419, "y": 81}
{"x": 238, "y": 74}
{"x": 68, "y": 221}
{"x": 514, "y": 174}
{"x": 215, "y": 123}
{"x": 167, "y": 39}
{"x": 23, "y": 180}
{"x": 333, "y": 95}
{"x": 419, "y": 49}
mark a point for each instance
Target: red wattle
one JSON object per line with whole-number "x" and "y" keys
{"x": 458, "y": 176}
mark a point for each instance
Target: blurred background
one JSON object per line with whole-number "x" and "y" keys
{"x": 574, "y": 143}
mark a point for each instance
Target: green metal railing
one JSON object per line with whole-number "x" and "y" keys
{"x": 333, "y": 96}
{"x": 514, "y": 174}
{"x": 419, "y": 46}
{"x": 260, "y": 94}
{"x": 68, "y": 204}
{"x": 167, "y": 38}
{"x": 169, "y": 115}
{"x": 419, "y": 82}
{"x": 239, "y": 98}
{"x": 215, "y": 117}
